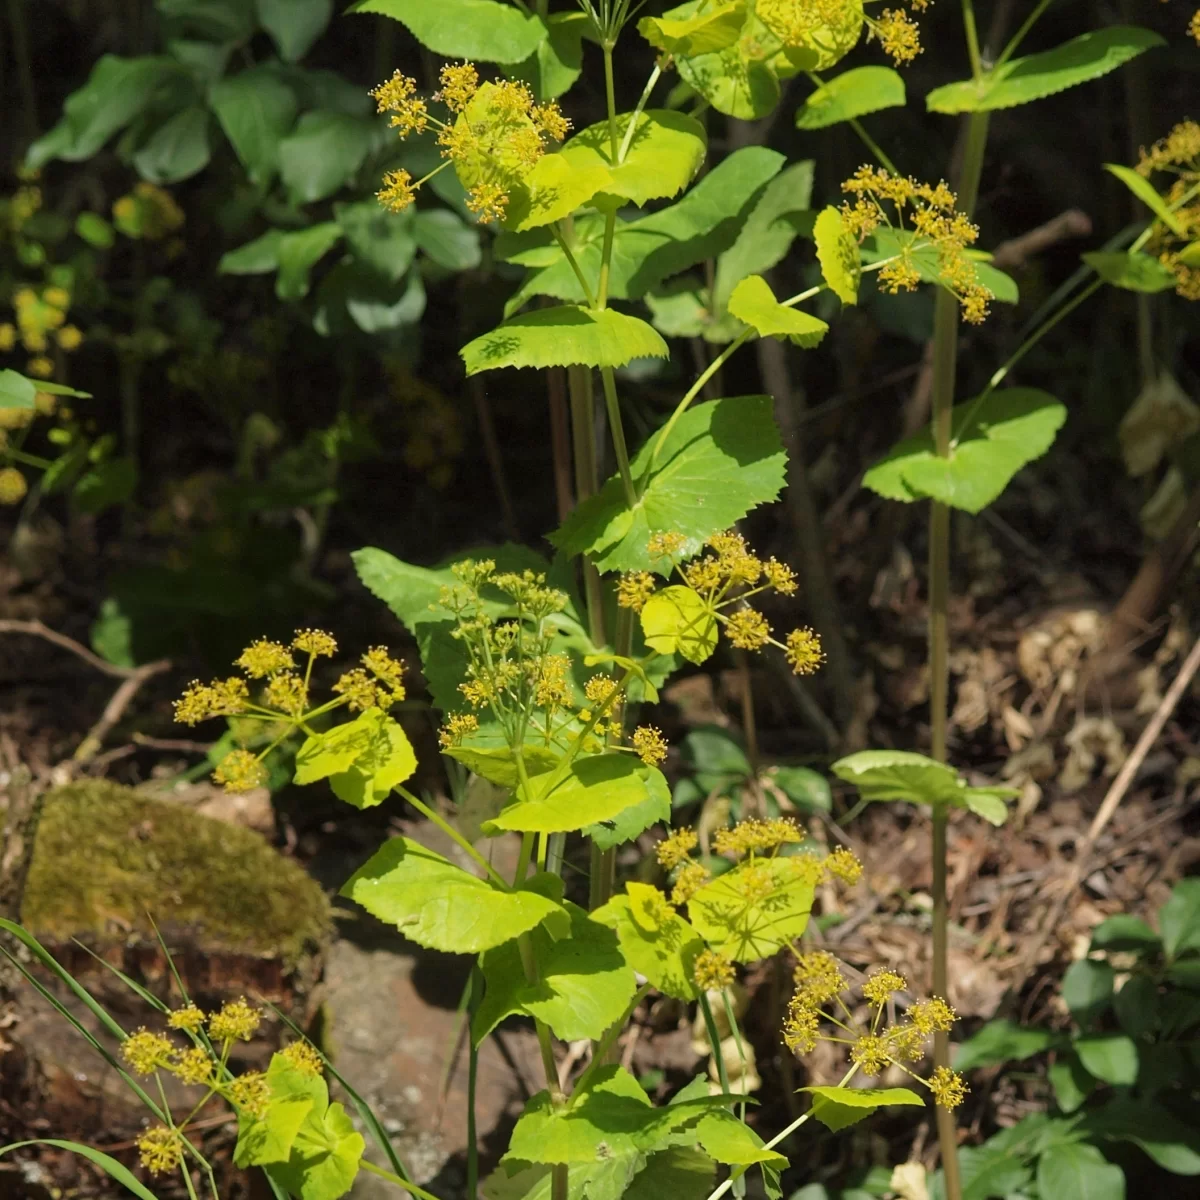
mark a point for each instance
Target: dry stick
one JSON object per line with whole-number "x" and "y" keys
{"x": 1016, "y": 252}
{"x": 1112, "y": 799}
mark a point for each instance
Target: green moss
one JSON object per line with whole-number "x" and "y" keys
{"x": 107, "y": 859}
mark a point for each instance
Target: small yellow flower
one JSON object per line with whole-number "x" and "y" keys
{"x": 649, "y": 745}
{"x": 397, "y": 192}
{"x": 263, "y": 657}
{"x": 803, "y": 651}
{"x": 948, "y": 1087}
{"x": 755, "y": 883}
{"x": 872, "y": 1053}
{"x": 712, "y": 971}
{"x": 460, "y": 82}
{"x": 303, "y": 1057}
{"x": 844, "y": 866}
{"x": 676, "y": 847}
{"x": 12, "y": 486}
{"x": 780, "y": 576}
{"x": 387, "y": 669}
{"x": 240, "y": 771}
{"x": 666, "y": 545}
{"x": 755, "y": 835}
{"x": 39, "y": 367}
{"x": 360, "y": 690}
{"x": 287, "y": 693}
{"x": 192, "y": 1066}
{"x": 818, "y": 978}
{"x": 932, "y": 1016}
{"x": 145, "y": 1052}
{"x": 747, "y": 629}
{"x": 634, "y": 589}
{"x": 57, "y": 297}
{"x": 188, "y": 1018}
{"x": 316, "y": 642}
{"x": 688, "y": 882}
{"x": 882, "y": 985}
{"x": 250, "y": 1093}
{"x": 800, "y": 1028}
{"x": 600, "y": 690}
{"x": 488, "y": 201}
{"x": 236, "y": 1020}
{"x": 221, "y": 698}
{"x": 398, "y": 96}
{"x": 69, "y": 338}
{"x": 160, "y": 1149}
{"x": 1194, "y": 27}
{"x": 457, "y": 727}
{"x": 898, "y": 34}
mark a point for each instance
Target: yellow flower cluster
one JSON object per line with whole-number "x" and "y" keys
{"x": 1177, "y": 154}
{"x": 160, "y": 1149}
{"x": 496, "y": 135}
{"x": 649, "y": 745}
{"x": 753, "y": 836}
{"x": 13, "y": 486}
{"x": 712, "y": 971}
{"x": 897, "y": 33}
{"x": 147, "y": 212}
{"x": 41, "y": 317}
{"x": 304, "y": 1057}
{"x": 820, "y": 983}
{"x": 926, "y": 220}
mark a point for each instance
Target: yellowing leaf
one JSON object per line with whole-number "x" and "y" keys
{"x": 703, "y": 33}
{"x": 837, "y": 252}
{"x": 678, "y": 618}
{"x": 753, "y": 301}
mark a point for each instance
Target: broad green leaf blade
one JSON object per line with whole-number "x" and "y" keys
{"x": 1022, "y": 80}
{"x": 256, "y": 109}
{"x": 1071, "y": 1083}
{"x": 109, "y": 1165}
{"x": 498, "y": 764}
{"x": 989, "y": 803}
{"x": 298, "y": 253}
{"x": 441, "y": 906}
{"x": 1130, "y": 270}
{"x": 678, "y": 619}
{"x": 753, "y": 301}
{"x": 721, "y": 460}
{"x": 1087, "y": 989}
{"x": 898, "y": 775}
{"x": 731, "y": 1141}
{"x": 666, "y": 152}
{"x": 838, "y": 1107}
{"x": 1112, "y": 1057}
{"x": 16, "y": 391}
{"x": 596, "y": 788}
{"x": 1124, "y": 931}
{"x": 557, "y": 62}
{"x": 1190, "y": 255}
{"x": 1179, "y": 918}
{"x": 256, "y": 257}
{"x": 992, "y": 441}
{"x": 57, "y": 389}
{"x": 294, "y": 25}
{"x": 838, "y": 255}
{"x": 483, "y": 30}
{"x": 567, "y": 335}
{"x": 363, "y": 759}
{"x": 178, "y": 149}
{"x": 323, "y": 154}
{"x": 447, "y": 239}
{"x": 270, "y": 1137}
{"x": 631, "y": 821}
{"x": 553, "y": 189}
{"x": 681, "y": 1173}
{"x": 1078, "y": 1172}
{"x": 852, "y": 94}
{"x": 886, "y": 243}
{"x": 657, "y": 943}
{"x": 708, "y": 31}
{"x": 746, "y": 930}
{"x": 1145, "y": 191}
{"x": 1170, "y": 1142}
{"x": 383, "y": 240}
{"x": 584, "y": 983}
{"x": 1003, "y": 1041}
{"x": 325, "y": 1155}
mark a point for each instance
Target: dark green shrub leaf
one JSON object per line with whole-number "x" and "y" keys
{"x": 1133, "y": 272}
{"x": 482, "y": 30}
{"x": 1179, "y": 918}
{"x": 837, "y": 1107}
{"x": 1109, "y": 1056}
{"x": 107, "y": 483}
{"x": 439, "y": 905}
{"x": 992, "y": 441}
{"x": 447, "y": 239}
{"x": 805, "y": 788}
{"x": 382, "y": 240}
{"x": 1079, "y": 1172}
{"x": 722, "y": 459}
{"x": 177, "y": 149}
{"x": 298, "y": 253}
{"x": 659, "y": 946}
{"x": 1137, "y": 1005}
{"x": 1125, "y": 932}
{"x": 1170, "y": 1142}
{"x": 294, "y": 24}
{"x": 555, "y": 65}
{"x": 852, "y": 94}
{"x": 1088, "y": 989}
{"x": 256, "y": 110}
{"x": 323, "y": 154}
{"x": 254, "y": 258}
{"x": 1071, "y": 1082}
{"x": 1003, "y": 1041}
{"x": 1022, "y": 80}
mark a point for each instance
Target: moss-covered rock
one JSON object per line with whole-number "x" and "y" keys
{"x": 108, "y": 859}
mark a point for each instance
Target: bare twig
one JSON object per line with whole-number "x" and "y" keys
{"x": 1014, "y": 253}
{"x": 37, "y": 629}
{"x": 114, "y": 710}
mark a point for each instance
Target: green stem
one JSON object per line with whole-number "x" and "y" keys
{"x": 870, "y": 143}
{"x": 30, "y": 460}
{"x": 627, "y": 140}
{"x": 968, "y": 12}
{"x": 453, "y": 834}
{"x": 612, "y": 404}
{"x": 605, "y": 1044}
{"x": 407, "y": 1185}
{"x": 524, "y": 858}
{"x": 1020, "y": 35}
{"x": 610, "y": 229}
{"x": 549, "y": 1066}
{"x": 610, "y": 98}
{"x": 573, "y": 262}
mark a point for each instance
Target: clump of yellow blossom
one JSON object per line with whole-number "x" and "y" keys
{"x": 756, "y": 836}
{"x": 160, "y": 1149}
{"x": 240, "y": 771}
{"x": 689, "y": 881}
{"x": 147, "y": 212}
{"x": 316, "y": 642}
{"x": 12, "y": 486}
{"x": 649, "y": 745}
{"x": 188, "y": 1018}
{"x": 193, "y": 1066}
{"x": 303, "y": 1057}
{"x": 712, "y": 971}
{"x": 145, "y": 1051}
{"x": 897, "y": 33}
{"x": 1177, "y": 155}
{"x": 236, "y": 1021}
{"x": 881, "y": 986}
{"x": 250, "y": 1093}
{"x": 676, "y": 847}
{"x": 634, "y": 588}
{"x": 457, "y": 727}
{"x": 949, "y": 1088}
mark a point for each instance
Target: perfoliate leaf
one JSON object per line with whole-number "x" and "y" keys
{"x": 852, "y": 94}
{"x": 363, "y": 759}
{"x": 482, "y": 30}
{"x": 659, "y": 946}
{"x": 664, "y": 155}
{"x": 1022, "y": 80}
{"x": 564, "y": 336}
{"x": 325, "y": 1156}
{"x": 553, "y": 189}
{"x": 269, "y": 1138}
{"x": 677, "y": 618}
{"x": 991, "y": 442}
{"x": 631, "y": 821}
{"x": 704, "y": 33}
{"x": 838, "y": 255}
{"x": 753, "y": 301}
{"x": 1130, "y": 270}
{"x": 583, "y": 982}
{"x": 499, "y": 764}
{"x": 741, "y": 79}
{"x": 596, "y": 788}
{"x": 722, "y": 459}
{"x": 837, "y": 1107}
{"x": 747, "y": 930}
{"x": 439, "y": 905}
{"x": 1146, "y": 192}
{"x": 887, "y": 243}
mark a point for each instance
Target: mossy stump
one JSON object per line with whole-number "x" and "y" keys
{"x": 110, "y": 864}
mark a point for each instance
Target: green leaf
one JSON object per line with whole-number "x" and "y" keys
{"x": 269, "y": 1138}
{"x": 1087, "y": 989}
{"x": 441, "y": 906}
{"x": 992, "y": 440}
{"x": 323, "y": 154}
{"x": 838, "y": 254}
{"x": 553, "y": 189}
{"x": 256, "y": 110}
{"x": 447, "y": 239}
{"x": 1146, "y": 192}
{"x": 1022, "y": 80}
{"x": 116, "y": 92}
{"x": 1078, "y": 1172}
{"x": 256, "y": 257}
{"x": 679, "y": 619}
{"x": 107, "y": 483}
{"x": 177, "y": 149}
{"x": 564, "y": 336}
{"x": 596, "y": 788}
{"x": 740, "y": 80}
{"x": 1170, "y": 1142}
{"x": 1190, "y": 255}
{"x": 294, "y": 25}
{"x": 56, "y": 389}
{"x": 482, "y": 30}
{"x": 1137, "y": 1006}
{"x": 382, "y": 240}
{"x": 583, "y": 982}
{"x": 709, "y": 31}
{"x": 656, "y": 941}
{"x": 1071, "y": 1082}
{"x": 298, "y": 253}
{"x": 748, "y": 930}
{"x": 852, "y": 94}
{"x": 1130, "y": 270}
{"x": 557, "y": 62}
{"x": 722, "y": 459}
{"x": 805, "y": 788}
{"x": 1109, "y": 1056}
{"x": 753, "y": 301}
{"x": 109, "y": 1165}
{"x": 680, "y": 1173}
{"x": 887, "y": 243}
{"x": 837, "y": 1107}
{"x": 1124, "y": 931}
{"x": 631, "y": 821}
{"x": 1179, "y": 918}
{"x": 498, "y": 764}
{"x": 729, "y": 1140}
{"x": 666, "y": 152}
{"x": 1003, "y": 1041}
{"x": 16, "y": 391}
{"x": 95, "y": 230}
{"x": 363, "y": 759}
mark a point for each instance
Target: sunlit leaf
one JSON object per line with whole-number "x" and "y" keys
{"x": 838, "y": 255}
{"x": 710, "y": 30}
{"x": 1130, "y": 270}
{"x": 482, "y": 30}
{"x": 1145, "y": 191}
{"x": 852, "y": 94}
{"x": 837, "y": 1107}
{"x": 660, "y": 946}
{"x": 677, "y": 618}
{"x": 753, "y": 301}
